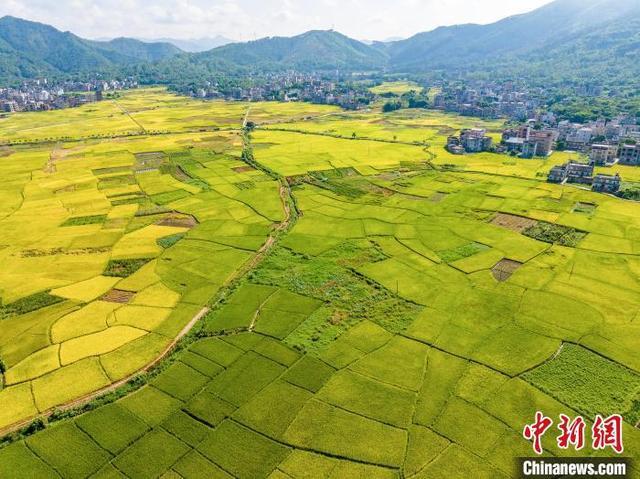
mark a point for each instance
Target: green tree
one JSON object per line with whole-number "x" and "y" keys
{"x": 391, "y": 106}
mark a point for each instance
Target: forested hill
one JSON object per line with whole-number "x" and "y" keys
{"x": 595, "y": 39}
{"x": 549, "y": 28}
{"x": 565, "y": 38}
{"x": 314, "y": 50}
{"x": 30, "y": 49}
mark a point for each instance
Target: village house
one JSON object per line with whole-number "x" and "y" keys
{"x": 514, "y": 144}
{"x": 530, "y": 149}
{"x": 453, "y": 145}
{"x": 580, "y": 140}
{"x": 629, "y": 154}
{"x": 580, "y": 172}
{"x": 475, "y": 140}
{"x": 529, "y": 142}
{"x": 544, "y": 140}
{"x": 572, "y": 172}
{"x": 606, "y": 183}
{"x": 558, "y": 174}
{"x": 602, "y": 154}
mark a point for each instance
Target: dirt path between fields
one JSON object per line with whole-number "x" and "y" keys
{"x": 271, "y": 240}
{"x": 126, "y": 112}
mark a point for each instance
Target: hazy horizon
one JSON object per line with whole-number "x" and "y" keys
{"x": 244, "y": 20}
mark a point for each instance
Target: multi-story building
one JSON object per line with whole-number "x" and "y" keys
{"x": 528, "y": 141}
{"x": 629, "y": 154}
{"x": 558, "y": 174}
{"x": 572, "y": 172}
{"x": 543, "y": 140}
{"x": 580, "y": 139}
{"x": 475, "y": 140}
{"x": 603, "y": 154}
{"x": 8, "y": 106}
{"x": 514, "y": 144}
{"x": 453, "y": 145}
{"x": 606, "y": 183}
{"x": 580, "y": 172}
{"x": 530, "y": 149}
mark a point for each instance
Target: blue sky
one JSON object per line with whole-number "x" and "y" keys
{"x": 249, "y": 19}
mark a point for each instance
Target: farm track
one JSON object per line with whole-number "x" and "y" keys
{"x": 252, "y": 263}
{"x": 126, "y": 112}
{"x": 246, "y": 117}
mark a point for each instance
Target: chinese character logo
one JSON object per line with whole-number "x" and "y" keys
{"x": 571, "y": 432}
{"x": 534, "y": 432}
{"x": 606, "y": 432}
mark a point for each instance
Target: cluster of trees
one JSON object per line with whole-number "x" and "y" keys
{"x": 580, "y": 109}
{"x": 411, "y": 99}
{"x": 391, "y": 106}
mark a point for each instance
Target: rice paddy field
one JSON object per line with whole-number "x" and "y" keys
{"x": 396, "y": 88}
{"x": 375, "y": 307}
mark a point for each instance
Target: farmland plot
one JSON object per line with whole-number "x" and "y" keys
{"x": 100, "y": 273}
{"x": 408, "y": 324}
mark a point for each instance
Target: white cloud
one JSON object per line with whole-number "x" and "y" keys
{"x": 246, "y": 19}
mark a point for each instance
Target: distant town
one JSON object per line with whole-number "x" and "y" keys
{"x": 532, "y": 131}
{"x": 40, "y": 95}
{"x": 323, "y": 89}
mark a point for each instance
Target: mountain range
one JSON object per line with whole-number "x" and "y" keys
{"x": 563, "y": 36}
{"x": 30, "y": 49}
{"x": 193, "y": 45}
{"x": 552, "y": 26}
{"x": 314, "y": 50}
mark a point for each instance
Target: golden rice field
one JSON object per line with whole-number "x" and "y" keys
{"x": 395, "y": 311}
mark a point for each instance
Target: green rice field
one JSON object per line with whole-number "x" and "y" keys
{"x": 396, "y": 88}
{"x": 349, "y": 299}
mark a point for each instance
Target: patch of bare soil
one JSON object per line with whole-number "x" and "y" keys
{"x": 149, "y": 161}
{"x": 389, "y": 176}
{"x": 503, "y": 270}
{"x": 150, "y": 156}
{"x": 118, "y": 296}
{"x": 243, "y": 169}
{"x": 513, "y": 222}
{"x": 178, "y": 221}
